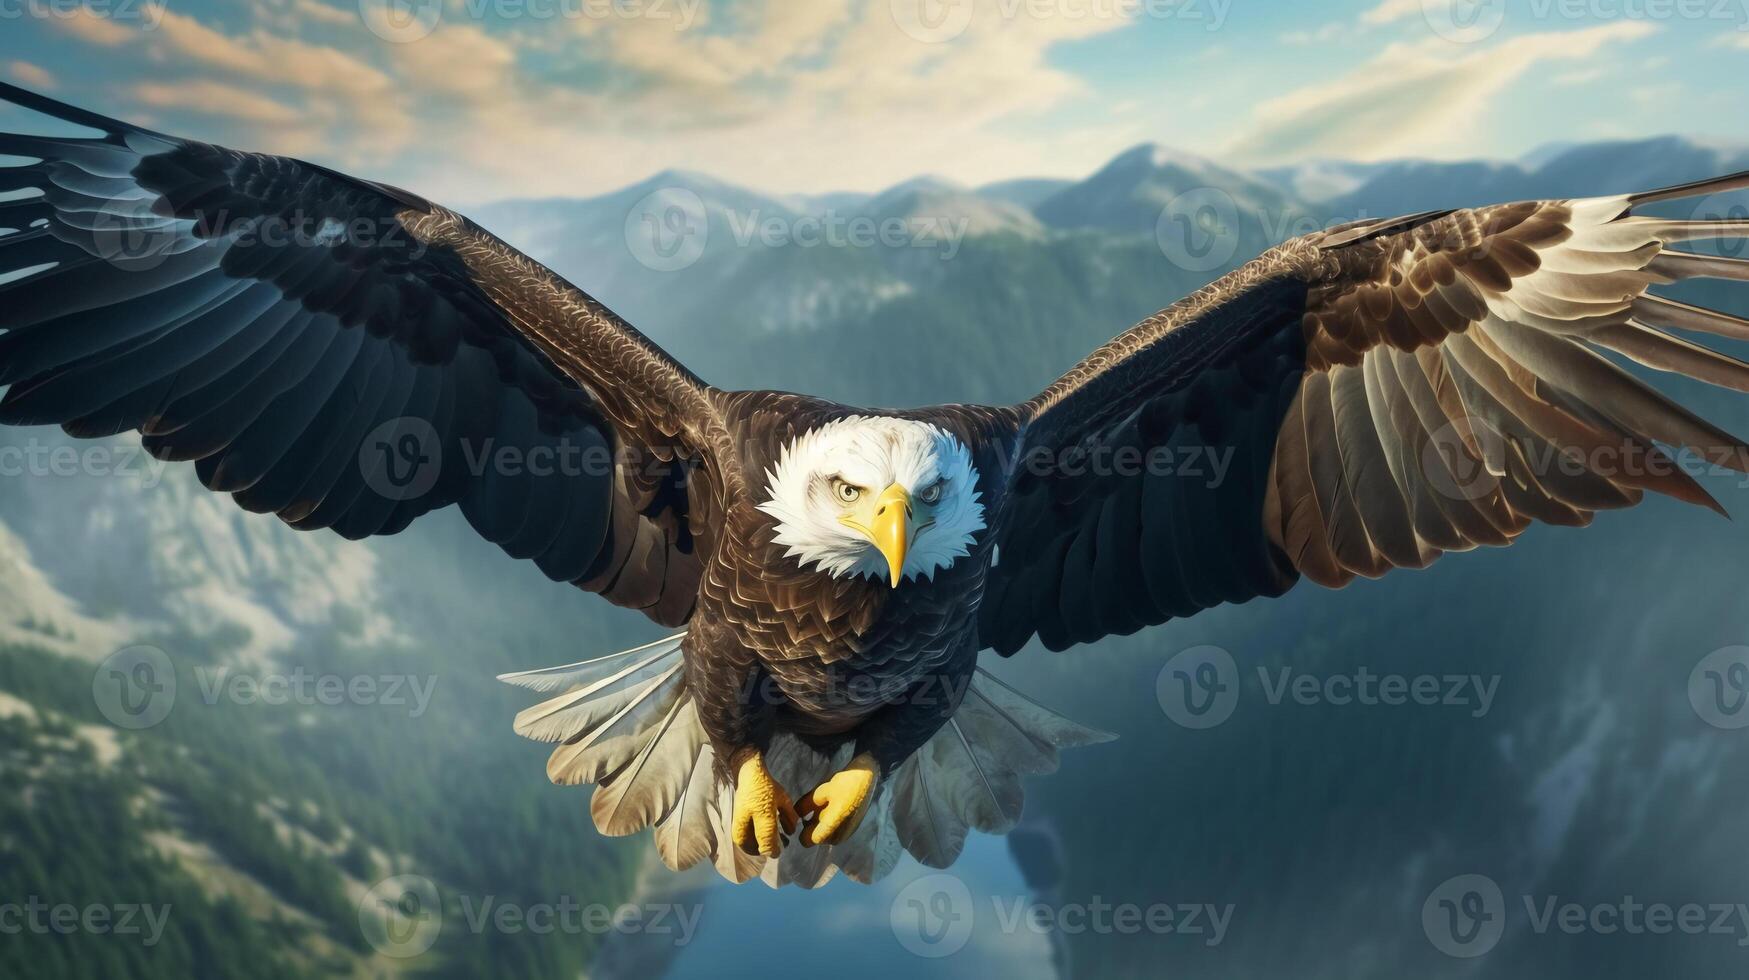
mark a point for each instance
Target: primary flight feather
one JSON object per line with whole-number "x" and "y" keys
{"x": 1386, "y": 392}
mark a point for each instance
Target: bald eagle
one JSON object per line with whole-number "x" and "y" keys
{"x": 1388, "y": 391}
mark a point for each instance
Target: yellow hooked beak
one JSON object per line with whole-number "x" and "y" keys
{"x": 891, "y": 529}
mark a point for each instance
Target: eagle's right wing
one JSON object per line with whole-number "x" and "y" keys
{"x": 344, "y": 355}
{"x": 1361, "y": 400}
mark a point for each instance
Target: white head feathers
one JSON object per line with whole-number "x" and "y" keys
{"x": 821, "y": 477}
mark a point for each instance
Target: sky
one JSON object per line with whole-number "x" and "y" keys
{"x": 468, "y": 101}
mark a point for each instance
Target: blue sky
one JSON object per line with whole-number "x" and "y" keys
{"x": 470, "y": 100}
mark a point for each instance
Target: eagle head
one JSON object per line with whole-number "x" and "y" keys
{"x": 875, "y": 496}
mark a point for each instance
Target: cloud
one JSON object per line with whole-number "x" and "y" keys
{"x": 820, "y": 95}
{"x": 1578, "y": 76}
{"x": 92, "y": 29}
{"x": 314, "y": 95}
{"x": 837, "y": 95}
{"x": 668, "y": 59}
{"x": 1320, "y": 35}
{"x": 1740, "y": 39}
{"x": 1412, "y": 98}
{"x": 832, "y": 56}
{"x": 1662, "y": 93}
{"x": 792, "y": 96}
{"x": 34, "y": 76}
{"x": 268, "y": 58}
{"x": 1391, "y": 11}
{"x": 321, "y": 13}
{"x": 461, "y": 62}
{"x": 215, "y": 99}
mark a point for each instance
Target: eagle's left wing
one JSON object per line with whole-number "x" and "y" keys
{"x": 1359, "y": 400}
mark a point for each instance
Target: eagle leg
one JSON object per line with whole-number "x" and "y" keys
{"x": 836, "y": 807}
{"x": 763, "y": 812}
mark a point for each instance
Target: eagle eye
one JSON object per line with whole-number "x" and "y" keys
{"x": 847, "y": 492}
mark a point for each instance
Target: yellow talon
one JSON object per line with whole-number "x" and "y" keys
{"x": 835, "y": 808}
{"x": 762, "y": 808}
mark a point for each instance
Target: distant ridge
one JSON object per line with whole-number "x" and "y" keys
{"x": 1128, "y": 193}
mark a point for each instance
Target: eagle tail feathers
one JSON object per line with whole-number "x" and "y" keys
{"x": 627, "y": 724}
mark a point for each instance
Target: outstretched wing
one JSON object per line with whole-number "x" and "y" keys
{"x": 1360, "y": 400}
{"x": 342, "y": 354}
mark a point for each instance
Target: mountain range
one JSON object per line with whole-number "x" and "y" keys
{"x": 737, "y": 271}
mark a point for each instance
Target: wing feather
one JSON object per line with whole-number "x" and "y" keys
{"x": 222, "y": 304}
{"x": 1446, "y": 385}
